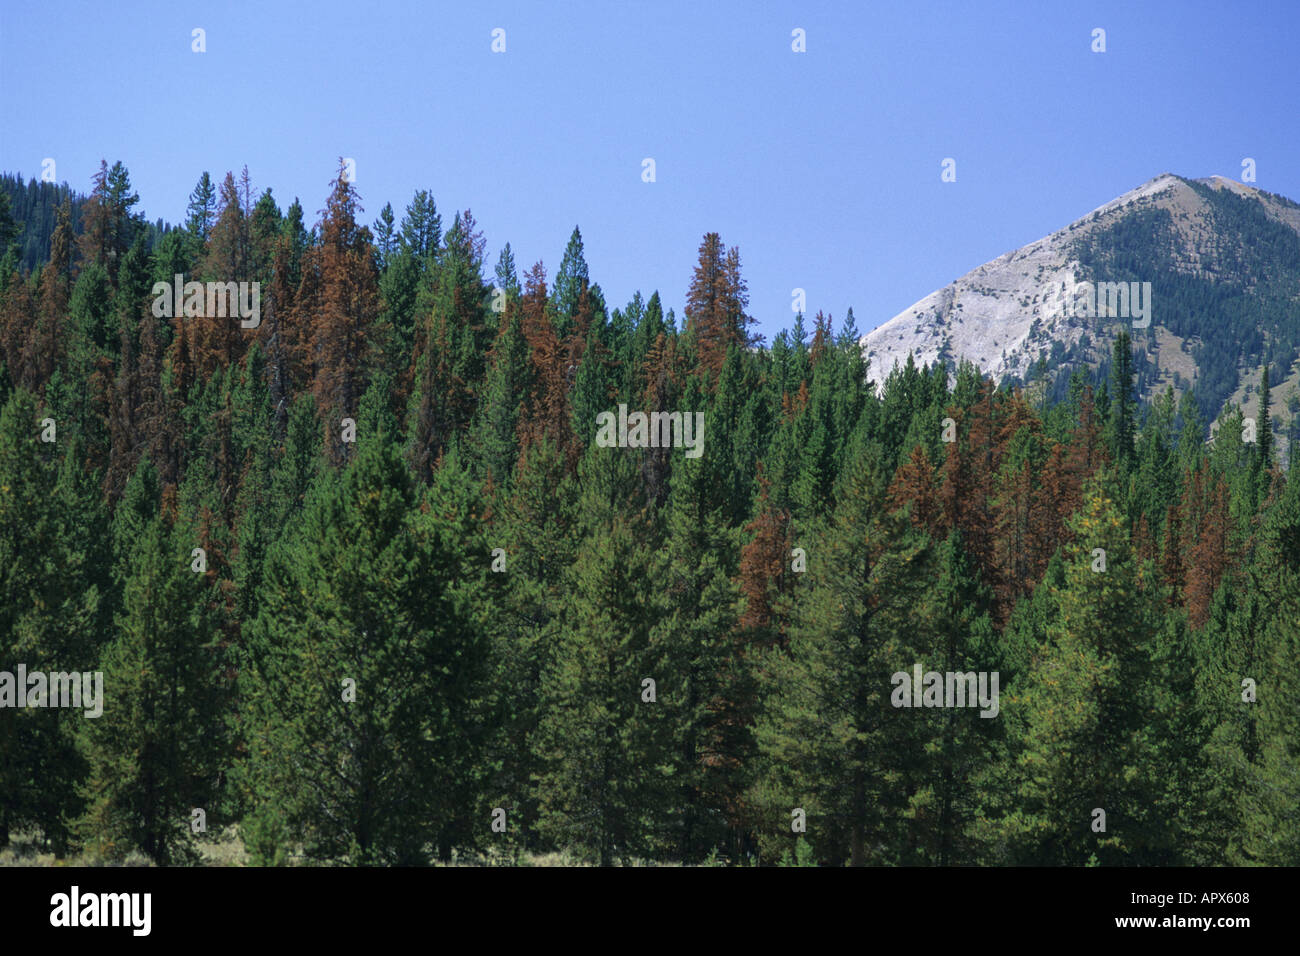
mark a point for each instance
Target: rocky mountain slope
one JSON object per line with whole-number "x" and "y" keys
{"x": 1218, "y": 261}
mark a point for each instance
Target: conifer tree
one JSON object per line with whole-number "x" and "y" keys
{"x": 1265, "y": 438}
{"x": 607, "y": 747}
{"x": 662, "y": 391}
{"x": 1262, "y": 464}
{"x": 360, "y": 674}
{"x": 1270, "y": 835}
{"x": 451, "y": 362}
{"x": 537, "y": 533}
{"x": 956, "y": 743}
{"x": 155, "y": 753}
{"x": 506, "y": 278}
{"x": 913, "y": 487}
{"x": 1208, "y": 555}
{"x": 109, "y": 226}
{"x": 46, "y": 346}
{"x": 202, "y": 210}
{"x": 1122, "y": 415}
{"x": 546, "y": 415}
{"x": 493, "y": 433}
{"x": 421, "y": 235}
{"x": 833, "y": 745}
{"x": 1080, "y": 726}
{"x": 385, "y": 231}
{"x": 592, "y": 390}
{"x": 716, "y": 303}
{"x": 338, "y": 301}
{"x": 10, "y": 253}
{"x": 52, "y": 597}
{"x": 695, "y": 659}
{"x": 571, "y": 281}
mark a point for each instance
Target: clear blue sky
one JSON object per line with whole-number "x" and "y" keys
{"x": 823, "y": 167}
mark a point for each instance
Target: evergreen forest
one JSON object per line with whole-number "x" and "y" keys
{"x": 365, "y": 588}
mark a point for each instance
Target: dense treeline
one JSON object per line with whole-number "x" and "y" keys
{"x": 32, "y": 214}
{"x": 632, "y": 652}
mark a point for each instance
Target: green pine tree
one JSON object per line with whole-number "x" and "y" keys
{"x": 156, "y": 752}
{"x": 605, "y": 786}
{"x": 360, "y": 673}
{"x": 833, "y": 746}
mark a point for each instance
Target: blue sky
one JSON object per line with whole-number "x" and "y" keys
{"x": 823, "y": 167}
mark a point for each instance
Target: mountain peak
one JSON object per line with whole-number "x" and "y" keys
{"x": 1193, "y": 241}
